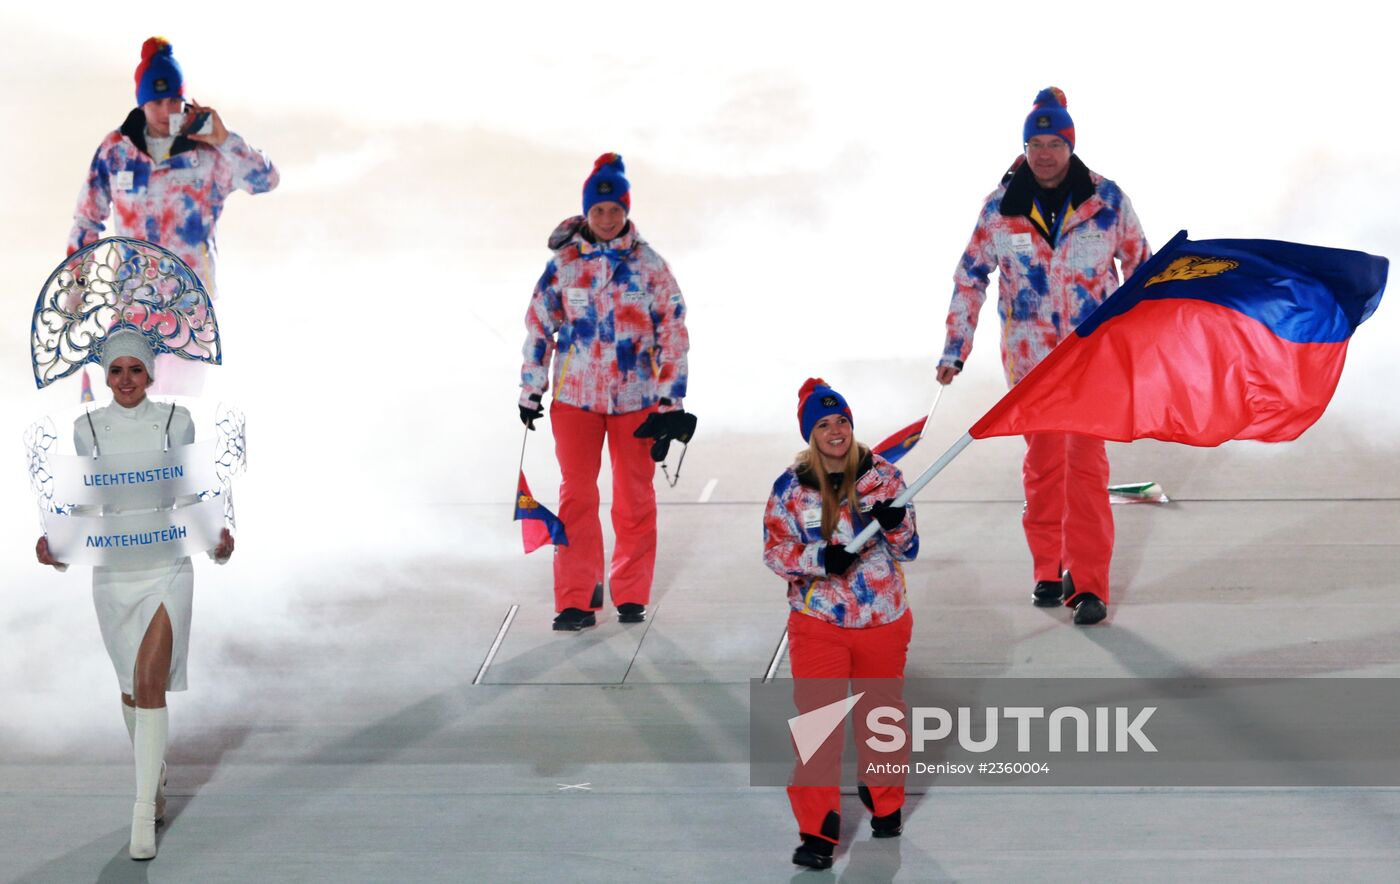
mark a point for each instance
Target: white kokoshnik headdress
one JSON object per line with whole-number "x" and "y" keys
{"x": 118, "y": 284}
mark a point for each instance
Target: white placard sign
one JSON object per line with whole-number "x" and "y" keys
{"x": 135, "y": 539}
{"x": 134, "y": 481}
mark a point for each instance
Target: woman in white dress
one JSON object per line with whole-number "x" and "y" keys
{"x": 143, "y": 611}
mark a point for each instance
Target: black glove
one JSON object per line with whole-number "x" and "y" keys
{"x": 528, "y": 416}
{"x": 836, "y": 560}
{"x": 887, "y": 514}
{"x": 665, "y": 426}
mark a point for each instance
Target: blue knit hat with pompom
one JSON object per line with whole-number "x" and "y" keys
{"x": 1049, "y": 117}
{"x": 158, "y": 75}
{"x": 815, "y": 401}
{"x": 607, "y": 183}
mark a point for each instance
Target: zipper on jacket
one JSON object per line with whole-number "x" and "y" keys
{"x": 564, "y": 369}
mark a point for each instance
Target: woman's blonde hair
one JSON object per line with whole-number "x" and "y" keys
{"x": 809, "y": 459}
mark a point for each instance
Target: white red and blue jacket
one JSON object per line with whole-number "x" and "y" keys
{"x": 872, "y": 592}
{"x": 1045, "y": 290}
{"x": 175, "y": 204}
{"x": 611, "y": 319}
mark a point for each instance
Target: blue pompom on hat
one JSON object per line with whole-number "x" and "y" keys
{"x": 815, "y": 401}
{"x": 158, "y": 75}
{"x": 607, "y": 184}
{"x": 1049, "y": 117}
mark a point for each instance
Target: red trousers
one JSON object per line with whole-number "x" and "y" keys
{"x": 1068, "y": 521}
{"x": 578, "y": 567}
{"x": 824, "y": 658}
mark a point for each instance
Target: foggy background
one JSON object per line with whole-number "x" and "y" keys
{"x": 811, "y": 172}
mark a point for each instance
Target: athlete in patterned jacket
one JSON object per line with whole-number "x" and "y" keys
{"x": 850, "y": 615}
{"x": 167, "y": 187}
{"x": 1053, "y": 229}
{"x": 166, "y": 183}
{"x": 609, "y": 317}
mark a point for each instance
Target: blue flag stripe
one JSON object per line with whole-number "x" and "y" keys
{"x": 1304, "y": 294}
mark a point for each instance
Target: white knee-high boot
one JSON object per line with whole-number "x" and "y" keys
{"x": 150, "y": 735}
{"x": 129, "y": 715}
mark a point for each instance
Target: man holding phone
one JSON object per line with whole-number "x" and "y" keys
{"x": 165, "y": 172}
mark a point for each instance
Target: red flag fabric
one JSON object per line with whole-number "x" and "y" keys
{"x": 1209, "y": 341}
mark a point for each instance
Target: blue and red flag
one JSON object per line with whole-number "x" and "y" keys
{"x": 538, "y": 525}
{"x": 1208, "y": 341}
{"x": 902, "y": 442}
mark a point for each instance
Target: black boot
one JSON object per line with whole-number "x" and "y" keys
{"x": 888, "y": 826}
{"x": 574, "y": 619}
{"x": 631, "y": 612}
{"x": 814, "y": 852}
{"x": 1048, "y": 593}
{"x": 1089, "y": 610}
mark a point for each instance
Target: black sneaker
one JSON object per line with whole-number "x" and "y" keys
{"x": 1089, "y": 610}
{"x": 631, "y": 612}
{"x": 574, "y": 619}
{"x": 813, "y": 852}
{"x": 1048, "y": 593}
{"x": 888, "y": 826}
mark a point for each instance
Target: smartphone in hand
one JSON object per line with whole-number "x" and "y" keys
{"x": 202, "y": 124}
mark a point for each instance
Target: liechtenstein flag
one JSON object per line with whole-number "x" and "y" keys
{"x": 1208, "y": 341}
{"x": 538, "y": 525}
{"x": 902, "y": 442}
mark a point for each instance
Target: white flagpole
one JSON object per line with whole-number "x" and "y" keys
{"x": 515, "y": 495}
{"x": 936, "y": 396}
{"x": 908, "y": 495}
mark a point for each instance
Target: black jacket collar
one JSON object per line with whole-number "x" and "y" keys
{"x": 1020, "y": 186}
{"x": 134, "y": 128}
{"x": 808, "y": 478}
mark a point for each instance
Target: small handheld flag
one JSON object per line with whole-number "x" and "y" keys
{"x": 902, "y": 442}
{"x": 538, "y": 526}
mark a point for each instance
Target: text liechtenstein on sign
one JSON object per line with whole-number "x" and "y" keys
{"x": 134, "y": 509}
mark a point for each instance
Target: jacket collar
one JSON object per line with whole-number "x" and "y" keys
{"x": 134, "y": 128}
{"x": 574, "y": 231}
{"x": 1020, "y": 186}
{"x": 140, "y": 411}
